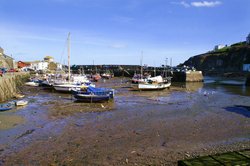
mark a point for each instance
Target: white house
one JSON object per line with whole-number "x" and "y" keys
{"x": 246, "y": 67}
{"x": 59, "y": 66}
{"x": 39, "y": 65}
{"x": 220, "y": 46}
{"x": 248, "y": 39}
{"x": 48, "y": 59}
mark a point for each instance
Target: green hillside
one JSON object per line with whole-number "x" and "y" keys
{"x": 228, "y": 59}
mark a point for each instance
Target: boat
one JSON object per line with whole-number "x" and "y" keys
{"x": 18, "y": 96}
{"x": 152, "y": 83}
{"x": 21, "y": 102}
{"x": 73, "y": 82}
{"x": 91, "y": 94}
{"x": 138, "y": 78}
{"x": 107, "y": 75}
{"x": 96, "y": 77}
{"x": 6, "y": 106}
{"x": 32, "y": 83}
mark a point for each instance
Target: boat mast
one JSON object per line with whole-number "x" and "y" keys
{"x": 69, "y": 56}
{"x": 141, "y": 65}
{"x": 166, "y": 72}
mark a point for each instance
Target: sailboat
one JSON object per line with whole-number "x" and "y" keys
{"x": 73, "y": 83}
{"x": 151, "y": 83}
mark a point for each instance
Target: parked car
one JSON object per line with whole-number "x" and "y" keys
{"x": 12, "y": 70}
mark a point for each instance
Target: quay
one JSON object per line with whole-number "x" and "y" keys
{"x": 9, "y": 84}
{"x": 129, "y": 70}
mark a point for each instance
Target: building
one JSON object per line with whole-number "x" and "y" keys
{"x": 6, "y": 61}
{"x": 218, "y": 47}
{"x": 21, "y": 64}
{"x": 246, "y": 67}
{"x": 48, "y": 59}
{"x": 248, "y": 39}
{"x": 39, "y": 65}
{"x": 59, "y": 66}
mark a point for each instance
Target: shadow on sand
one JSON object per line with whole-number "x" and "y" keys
{"x": 239, "y": 109}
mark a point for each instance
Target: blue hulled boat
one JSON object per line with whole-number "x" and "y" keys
{"x": 91, "y": 94}
{"x": 6, "y": 106}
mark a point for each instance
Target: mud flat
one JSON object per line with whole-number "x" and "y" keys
{"x": 137, "y": 128}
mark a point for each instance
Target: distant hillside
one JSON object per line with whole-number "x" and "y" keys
{"x": 228, "y": 59}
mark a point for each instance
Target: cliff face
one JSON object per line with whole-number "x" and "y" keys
{"x": 230, "y": 59}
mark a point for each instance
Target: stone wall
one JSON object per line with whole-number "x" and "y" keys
{"x": 9, "y": 84}
{"x": 192, "y": 76}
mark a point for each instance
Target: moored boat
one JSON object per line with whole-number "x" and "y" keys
{"x": 91, "y": 94}
{"x": 152, "y": 83}
{"x": 6, "y": 106}
{"x": 21, "y": 102}
{"x": 32, "y": 83}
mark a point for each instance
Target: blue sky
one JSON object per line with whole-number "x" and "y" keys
{"x": 117, "y": 31}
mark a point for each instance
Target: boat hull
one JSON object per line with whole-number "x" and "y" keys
{"x": 153, "y": 86}
{"x": 91, "y": 98}
{"x": 6, "y": 107}
{"x": 66, "y": 88}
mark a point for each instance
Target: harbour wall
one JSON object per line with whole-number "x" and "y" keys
{"x": 190, "y": 76}
{"x": 10, "y": 83}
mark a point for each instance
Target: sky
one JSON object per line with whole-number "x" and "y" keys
{"x": 120, "y": 31}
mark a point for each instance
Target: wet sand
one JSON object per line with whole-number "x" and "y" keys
{"x": 137, "y": 128}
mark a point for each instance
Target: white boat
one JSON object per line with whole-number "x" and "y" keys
{"x": 32, "y": 83}
{"x": 152, "y": 83}
{"x": 21, "y": 103}
{"x": 74, "y": 82}
{"x": 71, "y": 86}
{"x": 18, "y": 96}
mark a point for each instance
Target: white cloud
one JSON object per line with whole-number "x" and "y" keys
{"x": 185, "y": 4}
{"x": 206, "y": 3}
{"x": 198, "y": 3}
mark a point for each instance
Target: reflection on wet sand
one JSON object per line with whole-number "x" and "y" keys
{"x": 10, "y": 121}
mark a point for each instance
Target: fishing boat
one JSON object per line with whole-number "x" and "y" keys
{"x": 6, "y": 106}
{"x": 21, "y": 102}
{"x": 152, "y": 83}
{"x": 91, "y": 94}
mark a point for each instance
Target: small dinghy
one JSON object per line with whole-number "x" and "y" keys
{"x": 32, "y": 83}
{"x": 21, "y": 103}
{"x": 6, "y": 106}
{"x": 18, "y": 96}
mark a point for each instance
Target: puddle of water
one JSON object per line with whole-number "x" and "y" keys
{"x": 10, "y": 121}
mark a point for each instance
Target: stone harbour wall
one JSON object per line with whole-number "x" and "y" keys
{"x": 9, "y": 84}
{"x": 189, "y": 76}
